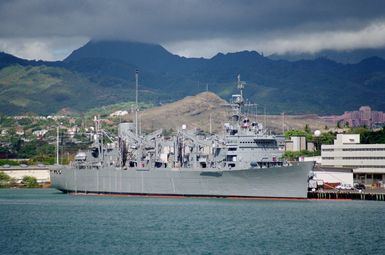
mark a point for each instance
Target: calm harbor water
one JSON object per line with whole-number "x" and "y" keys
{"x": 48, "y": 222}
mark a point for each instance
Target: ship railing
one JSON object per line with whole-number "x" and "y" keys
{"x": 267, "y": 164}
{"x": 85, "y": 165}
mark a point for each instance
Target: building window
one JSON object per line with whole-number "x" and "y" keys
{"x": 360, "y": 158}
{"x": 363, "y": 149}
{"x": 362, "y": 166}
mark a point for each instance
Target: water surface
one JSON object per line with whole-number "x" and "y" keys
{"x": 46, "y": 221}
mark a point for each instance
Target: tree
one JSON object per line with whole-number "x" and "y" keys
{"x": 4, "y": 177}
{"x": 363, "y": 132}
{"x": 25, "y": 121}
{"x": 30, "y": 182}
{"x": 294, "y": 155}
{"x": 327, "y": 138}
{"x": 307, "y": 129}
{"x": 371, "y": 137}
{"x": 291, "y": 133}
{"x": 7, "y": 122}
{"x": 4, "y": 180}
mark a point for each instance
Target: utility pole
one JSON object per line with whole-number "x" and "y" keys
{"x": 57, "y": 145}
{"x": 256, "y": 113}
{"x": 210, "y": 125}
{"x": 264, "y": 112}
{"x": 283, "y": 123}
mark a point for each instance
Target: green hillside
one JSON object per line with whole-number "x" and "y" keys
{"x": 45, "y": 90}
{"x": 48, "y": 89}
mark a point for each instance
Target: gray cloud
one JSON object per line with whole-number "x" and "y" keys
{"x": 198, "y": 28}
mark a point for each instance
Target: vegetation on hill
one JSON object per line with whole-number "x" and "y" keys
{"x": 46, "y": 90}
{"x": 105, "y": 111}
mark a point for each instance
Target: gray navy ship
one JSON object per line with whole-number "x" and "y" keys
{"x": 244, "y": 162}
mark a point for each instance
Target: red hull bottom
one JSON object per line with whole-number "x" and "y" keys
{"x": 79, "y": 193}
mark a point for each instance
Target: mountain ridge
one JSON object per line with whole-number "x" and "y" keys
{"x": 341, "y": 56}
{"x": 107, "y": 68}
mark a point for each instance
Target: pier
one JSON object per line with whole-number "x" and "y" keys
{"x": 377, "y": 195}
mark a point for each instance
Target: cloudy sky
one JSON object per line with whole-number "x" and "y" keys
{"x": 51, "y": 29}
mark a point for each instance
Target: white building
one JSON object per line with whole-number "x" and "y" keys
{"x": 366, "y": 160}
{"x": 40, "y": 133}
{"x": 118, "y": 113}
{"x": 298, "y": 143}
{"x": 19, "y": 131}
{"x": 333, "y": 176}
{"x": 72, "y": 131}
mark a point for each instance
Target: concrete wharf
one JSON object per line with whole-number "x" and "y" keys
{"x": 377, "y": 195}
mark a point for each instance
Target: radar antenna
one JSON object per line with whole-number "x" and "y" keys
{"x": 241, "y": 85}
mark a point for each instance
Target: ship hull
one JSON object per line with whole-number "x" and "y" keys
{"x": 276, "y": 182}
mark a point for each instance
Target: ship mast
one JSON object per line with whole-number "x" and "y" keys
{"x": 238, "y": 100}
{"x": 136, "y": 102}
{"x": 241, "y": 86}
